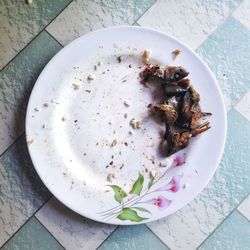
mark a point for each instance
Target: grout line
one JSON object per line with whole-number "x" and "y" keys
{"x": 157, "y": 237}
{"x": 240, "y": 204}
{"x": 24, "y": 223}
{"x": 53, "y": 37}
{"x": 48, "y": 230}
{"x": 145, "y": 12}
{"x": 11, "y": 144}
{"x": 107, "y": 237}
{"x": 243, "y": 215}
{"x": 211, "y": 233}
{"x": 13, "y": 58}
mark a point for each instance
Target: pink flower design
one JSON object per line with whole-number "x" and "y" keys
{"x": 179, "y": 160}
{"x": 161, "y": 202}
{"x": 173, "y": 185}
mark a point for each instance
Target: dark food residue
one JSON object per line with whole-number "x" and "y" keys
{"x": 180, "y": 106}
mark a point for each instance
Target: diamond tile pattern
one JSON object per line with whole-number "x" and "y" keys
{"x": 20, "y": 23}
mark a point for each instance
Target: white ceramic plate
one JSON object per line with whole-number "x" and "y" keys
{"x": 72, "y": 121}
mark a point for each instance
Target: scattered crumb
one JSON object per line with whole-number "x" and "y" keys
{"x": 152, "y": 174}
{"x": 130, "y": 66}
{"x": 75, "y": 121}
{"x": 46, "y": 105}
{"x": 126, "y": 104}
{"x": 130, "y": 132}
{"x": 149, "y": 105}
{"x": 135, "y": 124}
{"x": 88, "y": 90}
{"x": 29, "y": 1}
{"x": 185, "y": 185}
{"x": 112, "y": 157}
{"x": 163, "y": 164}
{"x": 110, "y": 177}
{"x": 152, "y": 159}
{"x": 95, "y": 67}
{"x": 145, "y": 56}
{"x": 97, "y": 144}
{"x": 176, "y": 53}
{"x": 43, "y": 126}
{"x": 36, "y": 109}
{"x": 76, "y": 86}
{"x": 119, "y": 59}
{"x": 99, "y": 63}
{"x": 126, "y": 144}
{"x": 91, "y": 77}
{"x": 122, "y": 166}
{"x": 64, "y": 118}
{"x": 124, "y": 80}
{"x": 125, "y": 115}
{"x": 114, "y": 142}
{"x": 30, "y": 142}
{"x": 111, "y": 163}
{"x": 64, "y": 173}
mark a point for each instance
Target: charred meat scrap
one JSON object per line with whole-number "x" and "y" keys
{"x": 180, "y": 109}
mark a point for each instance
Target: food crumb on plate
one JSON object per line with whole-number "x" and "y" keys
{"x": 126, "y": 104}
{"x": 114, "y": 142}
{"x": 110, "y": 177}
{"x": 176, "y": 53}
{"x": 64, "y": 118}
{"x": 163, "y": 164}
{"x": 36, "y": 109}
{"x": 91, "y": 77}
{"x": 152, "y": 174}
{"x": 146, "y": 56}
{"x": 76, "y": 86}
{"x": 135, "y": 124}
{"x": 30, "y": 142}
{"x": 46, "y": 104}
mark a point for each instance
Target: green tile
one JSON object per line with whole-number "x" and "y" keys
{"x": 132, "y": 238}
{"x": 16, "y": 82}
{"x": 20, "y": 22}
{"x": 21, "y": 191}
{"x": 232, "y": 234}
{"x": 226, "y": 52}
{"x": 89, "y": 15}
{"x": 32, "y": 236}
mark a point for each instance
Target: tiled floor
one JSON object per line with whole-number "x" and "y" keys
{"x": 219, "y": 31}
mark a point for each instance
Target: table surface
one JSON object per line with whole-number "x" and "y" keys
{"x": 219, "y": 31}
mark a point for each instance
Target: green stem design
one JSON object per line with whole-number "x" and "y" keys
{"x": 108, "y": 214}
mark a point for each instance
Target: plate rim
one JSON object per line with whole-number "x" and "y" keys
{"x": 223, "y": 118}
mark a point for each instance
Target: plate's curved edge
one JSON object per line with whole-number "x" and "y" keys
{"x": 223, "y": 141}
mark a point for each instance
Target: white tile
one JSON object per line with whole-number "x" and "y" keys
{"x": 70, "y": 229}
{"x": 242, "y": 13}
{"x": 81, "y": 17}
{"x": 244, "y": 106}
{"x": 190, "y": 21}
{"x": 244, "y": 207}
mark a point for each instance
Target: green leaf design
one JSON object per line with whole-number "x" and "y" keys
{"x": 129, "y": 214}
{"x": 119, "y": 193}
{"x": 137, "y": 187}
{"x": 142, "y": 209}
{"x": 150, "y": 184}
